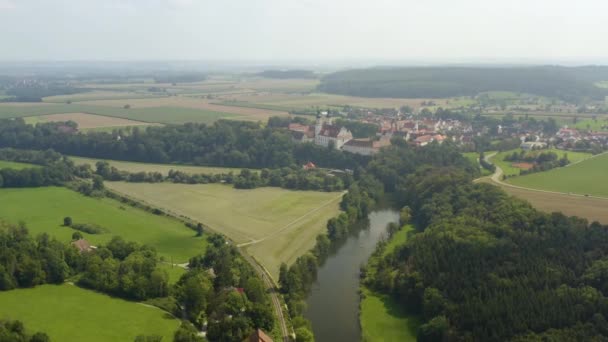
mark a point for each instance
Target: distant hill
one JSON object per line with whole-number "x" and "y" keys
{"x": 284, "y": 74}
{"x": 569, "y": 84}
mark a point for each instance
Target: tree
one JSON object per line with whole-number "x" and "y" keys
{"x": 40, "y": 337}
{"x": 199, "y": 229}
{"x": 262, "y": 316}
{"x": 434, "y": 331}
{"x": 76, "y": 236}
{"x": 304, "y": 335}
{"x": 98, "y": 183}
{"x": 127, "y": 106}
{"x": 283, "y": 272}
{"x": 67, "y": 221}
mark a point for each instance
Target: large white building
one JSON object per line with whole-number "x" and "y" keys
{"x": 327, "y": 134}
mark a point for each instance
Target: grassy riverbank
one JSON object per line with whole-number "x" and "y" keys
{"x": 381, "y": 317}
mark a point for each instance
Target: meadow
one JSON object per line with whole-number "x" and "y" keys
{"x": 71, "y": 314}
{"x": 382, "y": 319}
{"x": 86, "y": 121}
{"x": 16, "y": 166}
{"x": 46, "y": 208}
{"x": 99, "y": 95}
{"x": 588, "y": 177}
{"x": 510, "y": 170}
{"x": 591, "y": 208}
{"x": 275, "y": 225}
{"x": 162, "y": 168}
{"x": 174, "y": 115}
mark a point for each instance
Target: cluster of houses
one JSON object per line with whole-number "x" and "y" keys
{"x": 325, "y": 133}
{"x": 567, "y": 138}
{"x": 418, "y": 132}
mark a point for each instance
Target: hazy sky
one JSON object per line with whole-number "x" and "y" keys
{"x": 303, "y": 30}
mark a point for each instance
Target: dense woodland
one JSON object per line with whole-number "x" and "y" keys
{"x": 488, "y": 267}
{"x": 224, "y": 143}
{"x": 14, "y": 331}
{"x": 569, "y": 84}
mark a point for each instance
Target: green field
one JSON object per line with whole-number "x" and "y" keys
{"x": 100, "y": 95}
{"x": 70, "y": 314}
{"x": 474, "y": 158}
{"x": 162, "y": 168}
{"x": 174, "y": 271}
{"x": 279, "y": 224}
{"x": 382, "y": 319}
{"x": 174, "y": 115}
{"x": 588, "y": 177}
{"x": 16, "y": 166}
{"x": 595, "y": 125}
{"x": 510, "y": 170}
{"x": 43, "y": 210}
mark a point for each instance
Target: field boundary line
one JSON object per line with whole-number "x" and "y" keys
{"x": 290, "y": 224}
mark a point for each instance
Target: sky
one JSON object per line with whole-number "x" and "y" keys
{"x": 445, "y": 31}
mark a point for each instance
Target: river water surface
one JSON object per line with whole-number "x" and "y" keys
{"x": 333, "y": 305}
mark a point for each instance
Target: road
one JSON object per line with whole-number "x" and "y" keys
{"x": 592, "y": 208}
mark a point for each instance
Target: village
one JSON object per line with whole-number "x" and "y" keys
{"x": 421, "y": 131}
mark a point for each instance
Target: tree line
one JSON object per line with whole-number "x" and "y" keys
{"x": 224, "y": 143}
{"x": 569, "y": 84}
{"x": 293, "y": 177}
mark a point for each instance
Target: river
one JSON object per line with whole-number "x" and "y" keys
{"x": 333, "y": 305}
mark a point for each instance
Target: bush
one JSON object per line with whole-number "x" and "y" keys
{"x": 88, "y": 228}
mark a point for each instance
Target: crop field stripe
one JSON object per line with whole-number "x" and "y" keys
{"x": 281, "y": 230}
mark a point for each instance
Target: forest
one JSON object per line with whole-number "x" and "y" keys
{"x": 484, "y": 266}
{"x": 568, "y": 84}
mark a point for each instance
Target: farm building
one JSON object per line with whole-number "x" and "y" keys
{"x": 258, "y": 336}
{"x": 83, "y": 245}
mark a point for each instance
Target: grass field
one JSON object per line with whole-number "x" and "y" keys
{"x": 154, "y": 114}
{"x": 71, "y": 314}
{"x": 16, "y": 166}
{"x": 174, "y": 271}
{"x": 306, "y": 101}
{"x": 46, "y": 208}
{"x": 588, "y": 177}
{"x": 236, "y": 112}
{"x": 86, "y": 121}
{"x": 279, "y": 224}
{"x": 162, "y": 168}
{"x": 382, "y": 319}
{"x": 601, "y": 124}
{"x": 593, "y": 209}
{"x": 510, "y": 170}
{"x": 99, "y": 95}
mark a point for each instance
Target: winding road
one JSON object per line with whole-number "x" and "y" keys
{"x": 593, "y": 208}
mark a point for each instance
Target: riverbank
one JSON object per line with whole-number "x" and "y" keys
{"x": 381, "y": 318}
